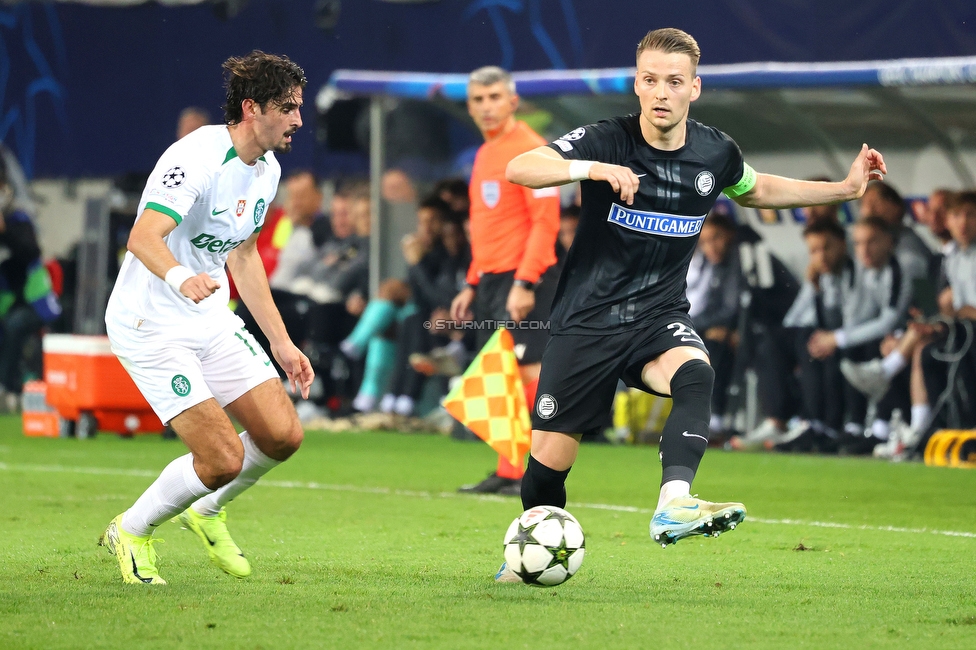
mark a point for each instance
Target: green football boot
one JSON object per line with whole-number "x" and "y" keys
{"x": 136, "y": 555}
{"x": 212, "y": 531}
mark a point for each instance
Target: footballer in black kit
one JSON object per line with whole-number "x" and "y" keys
{"x": 620, "y": 311}
{"x": 621, "y": 299}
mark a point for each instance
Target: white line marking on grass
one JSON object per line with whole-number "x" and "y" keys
{"x": 423, "y": 494}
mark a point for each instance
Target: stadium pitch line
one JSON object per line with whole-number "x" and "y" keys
{"x": 422, "y": 494}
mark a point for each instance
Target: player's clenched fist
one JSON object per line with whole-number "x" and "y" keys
{"x": 623, "y": 180}
{"x": 199, "y": 287}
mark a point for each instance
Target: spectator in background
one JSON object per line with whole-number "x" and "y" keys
{"x": 438, "y": 265}
{"x": 714, "y": 288}
{"x": 191, "y": 119}
{"x": 933, "y": 217}
{"x": 339, "y": 269}
{"x": 396, "y": 187}
{"x": 291, "y": 239}
{"x": 303, "y": 212}
{"x": 568, "y": 221}
{"x": 397, "y": 303}
{"x": 818, "y": 308}
{"x": 883, "y": 201}
{"x": 454, "y": 192}
{"x": 27, "y": 301}
{"x": 914, "y": 350}
{"x": 873, "y": 301}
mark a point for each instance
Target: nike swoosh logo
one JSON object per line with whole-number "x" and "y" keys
{"x": 207, "y": 537}
{"x": 694, "y": 507}
{"x": 214, "y": 212}
{"x": 267, "y": 363}
{"x": 640, "y": 175}
{"x": 694, "y": 435}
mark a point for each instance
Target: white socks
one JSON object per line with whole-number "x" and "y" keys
{"x": 920, "y": 416}
{"x": 176, "y": 488}
{"x": 892, "y": 364}
{"x": 256, "y": 465}
{"x": 672, "y": 490}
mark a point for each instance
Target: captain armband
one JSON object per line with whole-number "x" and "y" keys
{"x": 745, "y": 184}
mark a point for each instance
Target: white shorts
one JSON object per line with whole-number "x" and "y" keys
{"x": 179, "y": 365}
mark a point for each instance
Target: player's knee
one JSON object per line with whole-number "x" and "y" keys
{"x": 287, "y": 442}
{"x": 293, "y": 440}
{"x": 694, "y": 378}
{"x": 225, "y": 466}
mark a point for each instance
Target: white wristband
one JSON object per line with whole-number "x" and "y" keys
{"x": 177, "y": 275}
{"x": 579, "y": 170}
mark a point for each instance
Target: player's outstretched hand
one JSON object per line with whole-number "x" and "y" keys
{"x": 622, "y": 179}
{"x": 868, "y": 166}
{"x": 199, "y": 287}
{"x": 296, "y": 366}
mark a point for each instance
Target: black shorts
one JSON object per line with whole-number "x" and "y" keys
{"x": 580, "y": 371}
{"x": 533, "y": 333}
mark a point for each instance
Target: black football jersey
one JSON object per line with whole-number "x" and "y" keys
{"x": 628, "y": 262}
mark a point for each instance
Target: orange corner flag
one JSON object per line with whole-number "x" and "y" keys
{"x": 490, "y": 400}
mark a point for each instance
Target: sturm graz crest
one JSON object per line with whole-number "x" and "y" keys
{"x": 174, "y": 177}
{"x": 704, "y": 183}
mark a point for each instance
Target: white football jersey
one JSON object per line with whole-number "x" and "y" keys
{"x": 217, "y": 202}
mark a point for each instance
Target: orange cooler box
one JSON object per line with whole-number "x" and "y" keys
{"x": 87, "y": 385}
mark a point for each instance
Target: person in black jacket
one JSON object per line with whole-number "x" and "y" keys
{"x": 26, "y": 299}
{"x": 435, "y": 278}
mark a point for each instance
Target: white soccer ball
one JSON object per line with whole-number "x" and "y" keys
{"x": 544, "y": 546}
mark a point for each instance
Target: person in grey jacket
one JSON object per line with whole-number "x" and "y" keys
{"x": 716, "y": 277}
{"x": 871, "y": 297}
{"x": 883, "y": 201}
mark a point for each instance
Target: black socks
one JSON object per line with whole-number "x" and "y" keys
{"x": 685, "y": 433}
{"x": 543, "y": 486}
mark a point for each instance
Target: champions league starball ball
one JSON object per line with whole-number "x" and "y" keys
{"x": 544, "y": 546}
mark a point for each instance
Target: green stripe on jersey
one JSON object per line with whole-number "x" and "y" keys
{"x": 231, "y": 154}
{"x": 167, "y": 211}
{"x": 746, "y": 183}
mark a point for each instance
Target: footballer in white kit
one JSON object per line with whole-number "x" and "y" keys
{"x": 169, "y": 323}
{"x": 179, "y": 352}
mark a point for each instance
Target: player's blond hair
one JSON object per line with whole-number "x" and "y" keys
{"x": 670, "y": 40}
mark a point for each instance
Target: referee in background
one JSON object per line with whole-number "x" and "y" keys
{"x": 513, "y": 270}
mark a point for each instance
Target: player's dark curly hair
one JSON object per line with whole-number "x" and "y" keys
{"x": 264, "y": 78}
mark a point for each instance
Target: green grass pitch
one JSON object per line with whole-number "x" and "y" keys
{"x": 360, "y": 542}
